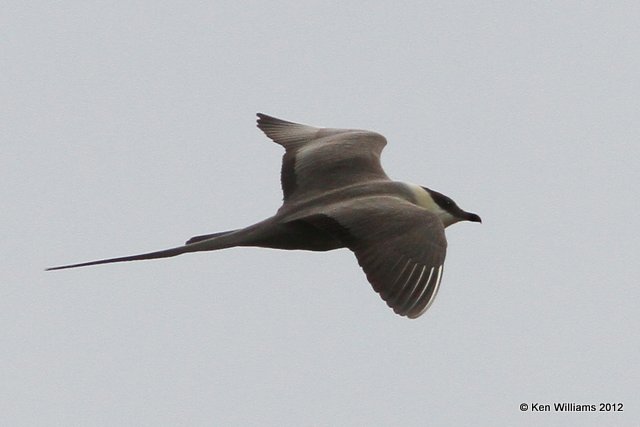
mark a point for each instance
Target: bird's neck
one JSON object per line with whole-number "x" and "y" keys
{"x": 422, "y": 198}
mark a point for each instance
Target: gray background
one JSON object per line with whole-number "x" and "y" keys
{"x": 130, "y": 128}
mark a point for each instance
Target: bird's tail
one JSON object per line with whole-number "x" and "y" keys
{"x": 209, "y": 242}
{"x": 196, "y": 239}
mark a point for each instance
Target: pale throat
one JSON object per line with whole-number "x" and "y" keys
{"x": 423, "y": 199}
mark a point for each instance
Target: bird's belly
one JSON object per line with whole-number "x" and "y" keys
{"x": 301, "y": 236}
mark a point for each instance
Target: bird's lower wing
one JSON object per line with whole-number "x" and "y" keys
{"x": 401, "y": 248}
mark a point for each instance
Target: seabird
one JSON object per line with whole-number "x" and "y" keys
{"x": 336, "y": 195}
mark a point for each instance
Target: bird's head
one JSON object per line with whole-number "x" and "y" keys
{"x": 447, "y": 210}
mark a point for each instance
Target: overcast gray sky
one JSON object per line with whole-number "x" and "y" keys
{"x": 131, "y": 127}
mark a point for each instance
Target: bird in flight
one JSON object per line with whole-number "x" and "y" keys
{"x": 336, "y": 195}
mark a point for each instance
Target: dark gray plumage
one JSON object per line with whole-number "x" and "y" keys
{"x": 337, "y": 195}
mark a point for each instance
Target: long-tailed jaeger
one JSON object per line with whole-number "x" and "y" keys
{"x": 336, "y": 195}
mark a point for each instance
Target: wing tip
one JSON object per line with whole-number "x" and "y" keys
{"x": 283, "y": 132}
{"x": 267, "y": 121}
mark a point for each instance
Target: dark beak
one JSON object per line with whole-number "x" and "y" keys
{"x": 473, "y": 218}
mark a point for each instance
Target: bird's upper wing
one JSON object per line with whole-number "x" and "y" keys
{"x": 318, "y": 160}
{"x": 400, "y": 246}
